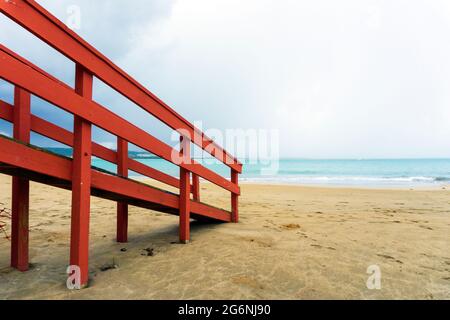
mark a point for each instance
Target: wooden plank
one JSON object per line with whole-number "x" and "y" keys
{"x": 6, "y": 111}
{"x": 19, "y": 73}
{"x": 52, "y": 131}
{"x": 122, "y": 207}
{"x": 195, "y": 187}
{"x": 34, "y": 160}
{"x": 48, "y": 28}
{"x": 20, "y": 185}
{"x": 81, "y": 181}
{"x": 234, "y": 198}
{"x": 59, "y": 168}
{"x": 185, "y": 193}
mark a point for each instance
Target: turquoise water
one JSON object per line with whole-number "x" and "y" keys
{"x": 379, "y": 172}
{"x": 409, "y": 172}
{"x": 399, "y": 172}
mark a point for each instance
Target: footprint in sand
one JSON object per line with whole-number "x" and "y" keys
{"x": 389, "y": 258}
{"x": 260, "y": 242}
{"x": 320, "y": 247}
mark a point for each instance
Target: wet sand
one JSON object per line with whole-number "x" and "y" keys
{"x": 292, "y": 242}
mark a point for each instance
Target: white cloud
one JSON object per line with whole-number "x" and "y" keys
{"x": 339, "y": 79}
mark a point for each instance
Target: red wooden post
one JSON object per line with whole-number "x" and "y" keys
{"x": 195, "y": 187}
{"x": 234, "y": 198}
{"x": 81, "y": 182}
{"x": 20, "y": 186}
{"x": 185, "y": 194}
{"x": 122, "y": 207}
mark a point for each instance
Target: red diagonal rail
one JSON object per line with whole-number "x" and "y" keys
{"x": 16, "y": 71}
{"x": 20, "y": 159}
{"x": 48, "y": 28}
{"x": 61, "y": 135}
{"x": 61, "y": 168}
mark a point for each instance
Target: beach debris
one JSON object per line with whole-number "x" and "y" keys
{"x": 290, "y": 226}
{"x": 123, "y": 250}
{"x": 5, "y": 215}
{"x": 148, "y": 252}
{"x": 109, "y": 266}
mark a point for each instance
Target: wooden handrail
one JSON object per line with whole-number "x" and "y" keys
{"x": 15, "y": 70}
{"x": 61, "y": 135}
{"x": 49, "y": 29}
{"x": 38, "y": 161}
{"x": 24, "y": 161}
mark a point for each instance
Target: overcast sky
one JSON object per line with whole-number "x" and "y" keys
{"x": 339, "y": 79}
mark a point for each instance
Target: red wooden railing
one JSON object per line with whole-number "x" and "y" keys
{"x": 26, "y": 162}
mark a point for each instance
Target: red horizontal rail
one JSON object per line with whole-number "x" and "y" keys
{"x": 54, "y": 132}
{"x": 49, "y": 29}
{"x": 6, "y": 111}
{"x": 61, "y": 168}
{"x": 15, "y": 70}
{"x": 141, "y": 168}
{"x": 20, "y": 159}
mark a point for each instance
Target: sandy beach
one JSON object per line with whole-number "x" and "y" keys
{"x": 292, "y": 242}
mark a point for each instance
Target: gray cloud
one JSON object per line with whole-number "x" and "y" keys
{"x": 338, "y": 78}
{"x": 112, "y": 25}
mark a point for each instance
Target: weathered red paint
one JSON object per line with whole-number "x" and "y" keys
{"x": 61, "y": 168}
{"x": 15, "y": 70}
{"x": 185, "y": 193}
{"x": 49, "y": 130}
{"x": 122, "y": 207}
{"x": 81, "y": 181}
{"x": 234, "y": 198}
{"x": 47, "y": 27}
{"x": 19, "y": 158}
{"x": 195, "y": 187}
{"x": 20, "y": 186}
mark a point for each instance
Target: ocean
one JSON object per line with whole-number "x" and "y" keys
{"x": 367, "y": 172}
{"x": 345, "y": 172}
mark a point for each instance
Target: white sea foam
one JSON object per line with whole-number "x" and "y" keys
{"x": 344, "y": 180}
